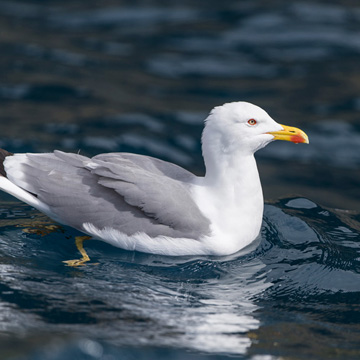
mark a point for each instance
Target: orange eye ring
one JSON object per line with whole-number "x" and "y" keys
{"x": 252, "y": 122}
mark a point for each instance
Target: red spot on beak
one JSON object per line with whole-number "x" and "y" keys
{"x": 297, "y": 139}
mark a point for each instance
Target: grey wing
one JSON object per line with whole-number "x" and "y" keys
{"x": 129, "y": 193}
{"x": 157, "y": 187}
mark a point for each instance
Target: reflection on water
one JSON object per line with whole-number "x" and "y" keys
{"x": 129, "y": 298}
{"x": 307, "y": 259}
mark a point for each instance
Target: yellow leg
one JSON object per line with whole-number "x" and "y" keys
{"x": 79, "y": 240}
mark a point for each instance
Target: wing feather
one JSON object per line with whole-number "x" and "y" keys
{"x": 127, "y": 192}
{"x": 159, "y": 196}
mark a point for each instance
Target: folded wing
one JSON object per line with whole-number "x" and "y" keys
{"x": 129, "y": 193}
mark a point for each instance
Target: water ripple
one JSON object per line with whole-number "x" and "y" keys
{"x": 307, "y": 258}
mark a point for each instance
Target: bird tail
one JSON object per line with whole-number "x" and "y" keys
{"x": 18, "y": 192}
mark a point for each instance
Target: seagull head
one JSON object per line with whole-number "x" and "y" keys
{"x": 246, "y": 127}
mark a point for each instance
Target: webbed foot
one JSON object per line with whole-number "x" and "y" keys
{"x": 79, "y": 240}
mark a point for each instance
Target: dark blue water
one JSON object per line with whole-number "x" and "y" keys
{"x": 296, "y": 292}
{"x": 140, "y": 76}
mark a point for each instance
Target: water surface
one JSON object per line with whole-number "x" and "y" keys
{"x": 141, "y": 77}
{"x": 298, "y": 287}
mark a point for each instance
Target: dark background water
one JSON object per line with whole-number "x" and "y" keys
{"x": 140, "y": 76}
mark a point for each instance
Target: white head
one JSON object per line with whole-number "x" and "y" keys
{"x": 244, "y": 127}
{"x": 239, "y": 126}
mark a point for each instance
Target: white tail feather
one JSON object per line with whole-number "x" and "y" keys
{"x": 14, "y": 190}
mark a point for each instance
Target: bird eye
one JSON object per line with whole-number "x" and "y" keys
{"x": 252, "y": 122}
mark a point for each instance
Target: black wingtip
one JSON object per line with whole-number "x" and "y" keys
{"x": 3, "y": 155}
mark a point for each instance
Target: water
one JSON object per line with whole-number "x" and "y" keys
{"x": 141, "y": 77}
{"x": 296, "y": 292}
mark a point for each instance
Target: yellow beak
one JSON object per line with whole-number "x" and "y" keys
{"x": 290, "y": 134}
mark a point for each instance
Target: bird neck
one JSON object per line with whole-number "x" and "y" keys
{"x": 231, "y": 197}
{"x": 235, "y": 173}
{"x": 223, "y": 155}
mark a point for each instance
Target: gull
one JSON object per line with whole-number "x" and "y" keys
{"x": 140, "y": 203}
